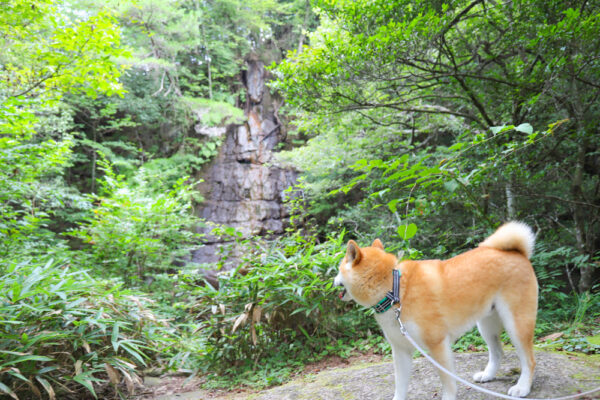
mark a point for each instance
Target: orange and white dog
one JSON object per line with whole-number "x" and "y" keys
{"x": 493, "y": 285}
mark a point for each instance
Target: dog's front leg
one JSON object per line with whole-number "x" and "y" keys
{"x": 402, "y": 367}
{"x": 442, "y": 353}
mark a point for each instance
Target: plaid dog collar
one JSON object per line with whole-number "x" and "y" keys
{"x": 392, "y": 297}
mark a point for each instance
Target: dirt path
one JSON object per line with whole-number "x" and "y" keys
{"x": 556, "y": 375}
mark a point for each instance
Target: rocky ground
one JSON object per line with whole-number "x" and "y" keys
{"x": 557, "y": 374}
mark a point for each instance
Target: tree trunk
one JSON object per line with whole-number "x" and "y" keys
{"x": 208, "y": 63}
{"x": 577, "y": 186}
{"x": 304, "y": 26}
{"x": 510, "y": 202}
{"x": 94, "y": 161}
{"x": 586, "y": 270}
{"x": 210, "y": 95}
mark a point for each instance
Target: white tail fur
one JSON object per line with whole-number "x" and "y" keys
{"x": 513, "y": 235}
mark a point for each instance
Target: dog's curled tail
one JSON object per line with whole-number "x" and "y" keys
{"x": 513, "y": 235}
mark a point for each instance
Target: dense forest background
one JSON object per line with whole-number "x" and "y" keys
{"x": 423, "y": 123}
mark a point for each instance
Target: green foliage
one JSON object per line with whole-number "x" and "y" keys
{"x": 160, "y": 174}
{"x": 470, "y": 341}
{"x": 578, "y": 344}
{"x": 189, "y": 53}
{"x": 184, "y": 81}
{"x": 420, "y": 123}
{"x": 278, "y": 310}
{"x": 214, "y": 113}
{"x": 370, "y": 55}
{"x": 585, "y": 304}
{"x": 134, "y": 231}
{"x": 63, "y": 332}
{"x": 450, "y": 121}
{"x": 49, "y": 52}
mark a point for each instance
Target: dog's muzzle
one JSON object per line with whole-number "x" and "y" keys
{"x": 343, "y": 295}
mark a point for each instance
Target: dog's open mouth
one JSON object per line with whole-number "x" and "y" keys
{"x": 342, "y": 293}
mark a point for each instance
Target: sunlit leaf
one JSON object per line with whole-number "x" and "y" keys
{"x": 407, "y": 231}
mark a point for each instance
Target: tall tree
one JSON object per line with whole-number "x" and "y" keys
{"x": 526, "y": 63}
{"x": 49, "y": 51}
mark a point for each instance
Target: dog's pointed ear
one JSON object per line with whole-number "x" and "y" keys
{"x": 353, "y": 254}
{"x": 377, "y": 243}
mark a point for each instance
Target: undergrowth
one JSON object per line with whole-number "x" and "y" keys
{"x": 276, "y": 312}
{"x": 66, "y": 334}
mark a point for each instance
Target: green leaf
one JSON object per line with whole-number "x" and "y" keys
{"x": 392, "y": 205}
{"x": 497, "y": 129}
{"x": 451, "y": 186}
{"x": 84, "y": 380}
{"x": 305, "y": 333}
{"x": 26, "y": 358}
{"x": 46, "y": 386}
{"x": 8, "y": 391}
{"x": 525, "y": 128}
{"x": 133, "y": 351}
{"x": 17, "y": 374}
{"x": 407, "y": 231}
{"x": 46, "y": 370}
{"x": 457, "y": 146}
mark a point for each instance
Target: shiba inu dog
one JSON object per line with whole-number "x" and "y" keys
{"x": 493, "y": 285}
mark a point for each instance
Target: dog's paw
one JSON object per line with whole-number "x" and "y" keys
{"x": 518, "y": 391}
{"x": 447, "y": 396}
{"x": 482, "y": 376}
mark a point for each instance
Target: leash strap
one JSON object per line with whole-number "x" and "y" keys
{"x": 392, "y": 297}
{"x": 467, "y": 383}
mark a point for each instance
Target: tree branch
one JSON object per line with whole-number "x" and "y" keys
{"x": 459, "y": 16}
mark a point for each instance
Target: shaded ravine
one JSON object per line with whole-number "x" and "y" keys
{"x": 557, "y": 374}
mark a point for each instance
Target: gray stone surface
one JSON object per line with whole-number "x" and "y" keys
{"x": 556, "y": 375}
{"x": 243, "y": 187}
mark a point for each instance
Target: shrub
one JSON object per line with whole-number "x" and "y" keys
{"x": 134, "y": 232}
{"x": 276, "y": 311}
{"x": 65, "y": 333}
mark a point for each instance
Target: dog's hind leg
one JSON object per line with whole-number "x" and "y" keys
{"x": 519, "y": 321}
{"x": 490, "y": 328}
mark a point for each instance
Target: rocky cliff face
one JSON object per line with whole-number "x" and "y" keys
{"x": 243, "y": 187}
